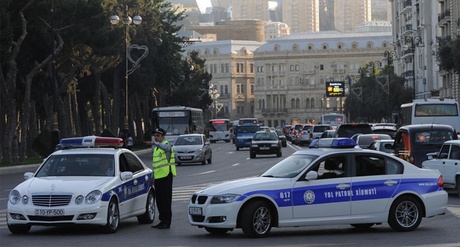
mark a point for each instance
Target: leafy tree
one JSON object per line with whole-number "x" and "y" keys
{"x": 449, "y": 55}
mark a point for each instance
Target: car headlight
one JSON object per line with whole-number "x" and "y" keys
{"x": 25, "y": 199}
{"x": 227, "y": 198}
{"x": 199, "y": 151}
{"x": 254, "y": 145}
{"x": 14, "y": 197}
{"x": 79, "y": 199}
{"x": 93, "y": 197}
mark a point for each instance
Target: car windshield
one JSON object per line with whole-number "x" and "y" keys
{"x": 269, "y": 136}
{"x": 290, "y": 167}
{"x": 321, "y": 128}
{"x": 189, "y": 140}
{"x": 78, "y": 165}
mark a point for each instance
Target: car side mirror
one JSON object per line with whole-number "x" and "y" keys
{"x": 207, "y": 143}
{"x": 431, "y": 156}
{"x": 388, "y": 146}
{"x": 126, "y": 176}
{"x": 28, "y": 175}
{"x": 311, "y": 175}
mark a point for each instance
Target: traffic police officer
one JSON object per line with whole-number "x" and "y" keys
{"x": 164, "y": 169}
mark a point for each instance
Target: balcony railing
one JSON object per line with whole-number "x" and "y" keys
{"x": 443, "y": 16}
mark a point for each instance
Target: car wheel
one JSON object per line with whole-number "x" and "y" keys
{"x": 458, "y": 186}
{"x": 237, "y": 149}
{"x": 252, "y": 155}
{"x": 217, "y": 231}
{"x": 284, "y": 145}
{"x": 209, "y": 160}
{"x": 363, "y": 226}
{"x": 19, "y": 229}
{"x": 149, "y": 215}
{"x": 113, "y": 217}
{"x": 405, "y": 214}
{"x": 256, "y": 219}
{"x": 203, "y": 162}
{"x": 279, "y": 154}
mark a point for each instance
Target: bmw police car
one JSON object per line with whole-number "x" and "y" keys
{"x": 323, "y": 186}
{"x": 84, "y": 185}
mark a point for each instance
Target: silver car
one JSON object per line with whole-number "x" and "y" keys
{"x": 192, "y": 148}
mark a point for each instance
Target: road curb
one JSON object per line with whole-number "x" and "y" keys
{"x": 33, "y": 167}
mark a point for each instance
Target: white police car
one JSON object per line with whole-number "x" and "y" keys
{"x": 323, "y": 186}
{"x": 84, "y": 185}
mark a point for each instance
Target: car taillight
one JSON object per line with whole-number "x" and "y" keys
{"x": 440, "y": 182}
{"x": 302, "y": 133}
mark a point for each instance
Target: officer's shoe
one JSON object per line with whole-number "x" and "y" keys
{"x": 163, "y": 226}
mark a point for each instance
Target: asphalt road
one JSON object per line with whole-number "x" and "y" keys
{"x": 228, "y": 164}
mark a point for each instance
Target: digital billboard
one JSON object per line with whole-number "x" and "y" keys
{"x": 335, "y": 89}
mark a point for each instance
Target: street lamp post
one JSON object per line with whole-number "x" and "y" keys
{"x": 414, "y": 41}
{"x": 214, "y": 94}
{"x": 372, "y": 67}
{"x": 126, "y": 20}
{"x": 389, "y": 57}
{"x": 348, "y": 78}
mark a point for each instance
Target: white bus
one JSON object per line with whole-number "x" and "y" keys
{"x": 333, "y": 119}
{"x": 178, "y": 120}
{"x": 431, "y": 111}
{"x": 219, "y": 130}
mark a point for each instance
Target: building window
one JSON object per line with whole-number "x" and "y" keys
{"x": 251, "y": 68}
{"x": 222, "y": 68}
{"x": 307, "y": 103}
{"x": 321, "y": 67}
{"x": 370, "y": 44}
{"x": 310, "y": 47}
{"x": 222, "y": 89}
{"x": 354, "y": 45}
{"x": 297, "y": 67}
{"x": 215, "y": 51}
{"x": 276, "y": 48}
{"x": 295, "y": 47}
{"x": 237, "y": 68}
{"x": 226, "y": 68}
{"x": 238, "y": 88}
{"x": 226, "y": 89}
{"x": 242, "y": 88}
{"x": 312, "y": 102}
{"x": 325, "y": 46}
{"x": 252, "y": 89}
{"x": 297, "y": 103}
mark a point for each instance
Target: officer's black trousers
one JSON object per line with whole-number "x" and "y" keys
{"x": 163, "y": 195}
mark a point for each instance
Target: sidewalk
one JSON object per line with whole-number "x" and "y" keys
{"x": 33, "y": 167}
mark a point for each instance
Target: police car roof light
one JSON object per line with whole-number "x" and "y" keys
{"x": 91, "y": 141}
{"x": 343, "y": 143}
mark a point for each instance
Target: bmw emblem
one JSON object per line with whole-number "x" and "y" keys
{"x": 309, "y": 197}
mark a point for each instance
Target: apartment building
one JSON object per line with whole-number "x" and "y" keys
{"x": 232, "y": 67}
{"x": 291, "y": 72}
{"x": 418, "y": 27}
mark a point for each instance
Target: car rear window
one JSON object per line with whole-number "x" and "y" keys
{"x": 350, "y": 130}
{"x": 432, "y": 137}
{"x": 321, "y": 128}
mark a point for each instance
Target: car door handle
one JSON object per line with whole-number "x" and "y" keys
{"x": 391, "y": 182}
{"x": 135, "y": 181}
{"x": 343, "y": 186}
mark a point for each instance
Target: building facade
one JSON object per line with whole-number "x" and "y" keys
{"x": 418, "y": 26}
{"x": 233, "y": 30}
{"x": 232, "y": 67}
{"x": 349, "y": 14}
{"x": 276, "y": 29}
{"x": 291, "y": 73}
{"x": 301, "y": 15}
{"x": 252, "y": 9}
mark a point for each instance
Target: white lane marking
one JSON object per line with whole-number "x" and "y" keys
{"x": 202, "y": 173}
{"x": 237, "y": 164}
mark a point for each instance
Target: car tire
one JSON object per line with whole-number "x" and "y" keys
{"x": 237, "y": 149}
{"x": 149, "y": 215}
{"x": 458, "y": 185}
{"x": 203, "y": 162}
{"x": 252, "y": 155}
{"x": 284, "y": 145}
{"x": 363, "y": 226}
{"x": 405, "y": 214}
{"x": 113, "y": 217}
{"x": 19, "y": 229}
{"x": 217, "y": 231}
{"x": 279, "y": 154}
{"x": 256, "y": 219}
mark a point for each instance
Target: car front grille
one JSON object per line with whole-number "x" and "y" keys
{"x": 50, "y": 218}
{"x": 51, "y": 200}
{"x": 199, "y": 199}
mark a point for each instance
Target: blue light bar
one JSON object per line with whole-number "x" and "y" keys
{"x": 333, "y": 143}
{"x": 343, "y": 143}
{"x": 91, "y": 141}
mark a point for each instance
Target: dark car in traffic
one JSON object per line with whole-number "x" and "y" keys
{"x": 265, "y": 142}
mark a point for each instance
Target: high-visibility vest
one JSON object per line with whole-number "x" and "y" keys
{"x": 161, "y": 165}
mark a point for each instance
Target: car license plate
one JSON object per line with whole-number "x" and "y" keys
{"x": 186, "y": 157}
{"x": 195, "y": 211}
{"x": 49, "y": 212}
{"x": 264, "y": 148}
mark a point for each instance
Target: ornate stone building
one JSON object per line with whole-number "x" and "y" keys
{"x": 291, "y": 72}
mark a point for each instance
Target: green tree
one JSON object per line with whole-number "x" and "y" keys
{"x": 448, "y": 55}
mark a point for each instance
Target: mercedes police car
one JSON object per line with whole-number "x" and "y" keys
{"x": 84, "y": 184}
{"x": 323, "y": 186}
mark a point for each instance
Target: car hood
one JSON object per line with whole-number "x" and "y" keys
{"x": 74, "y": 185}
{"x": 243, "y": 186}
